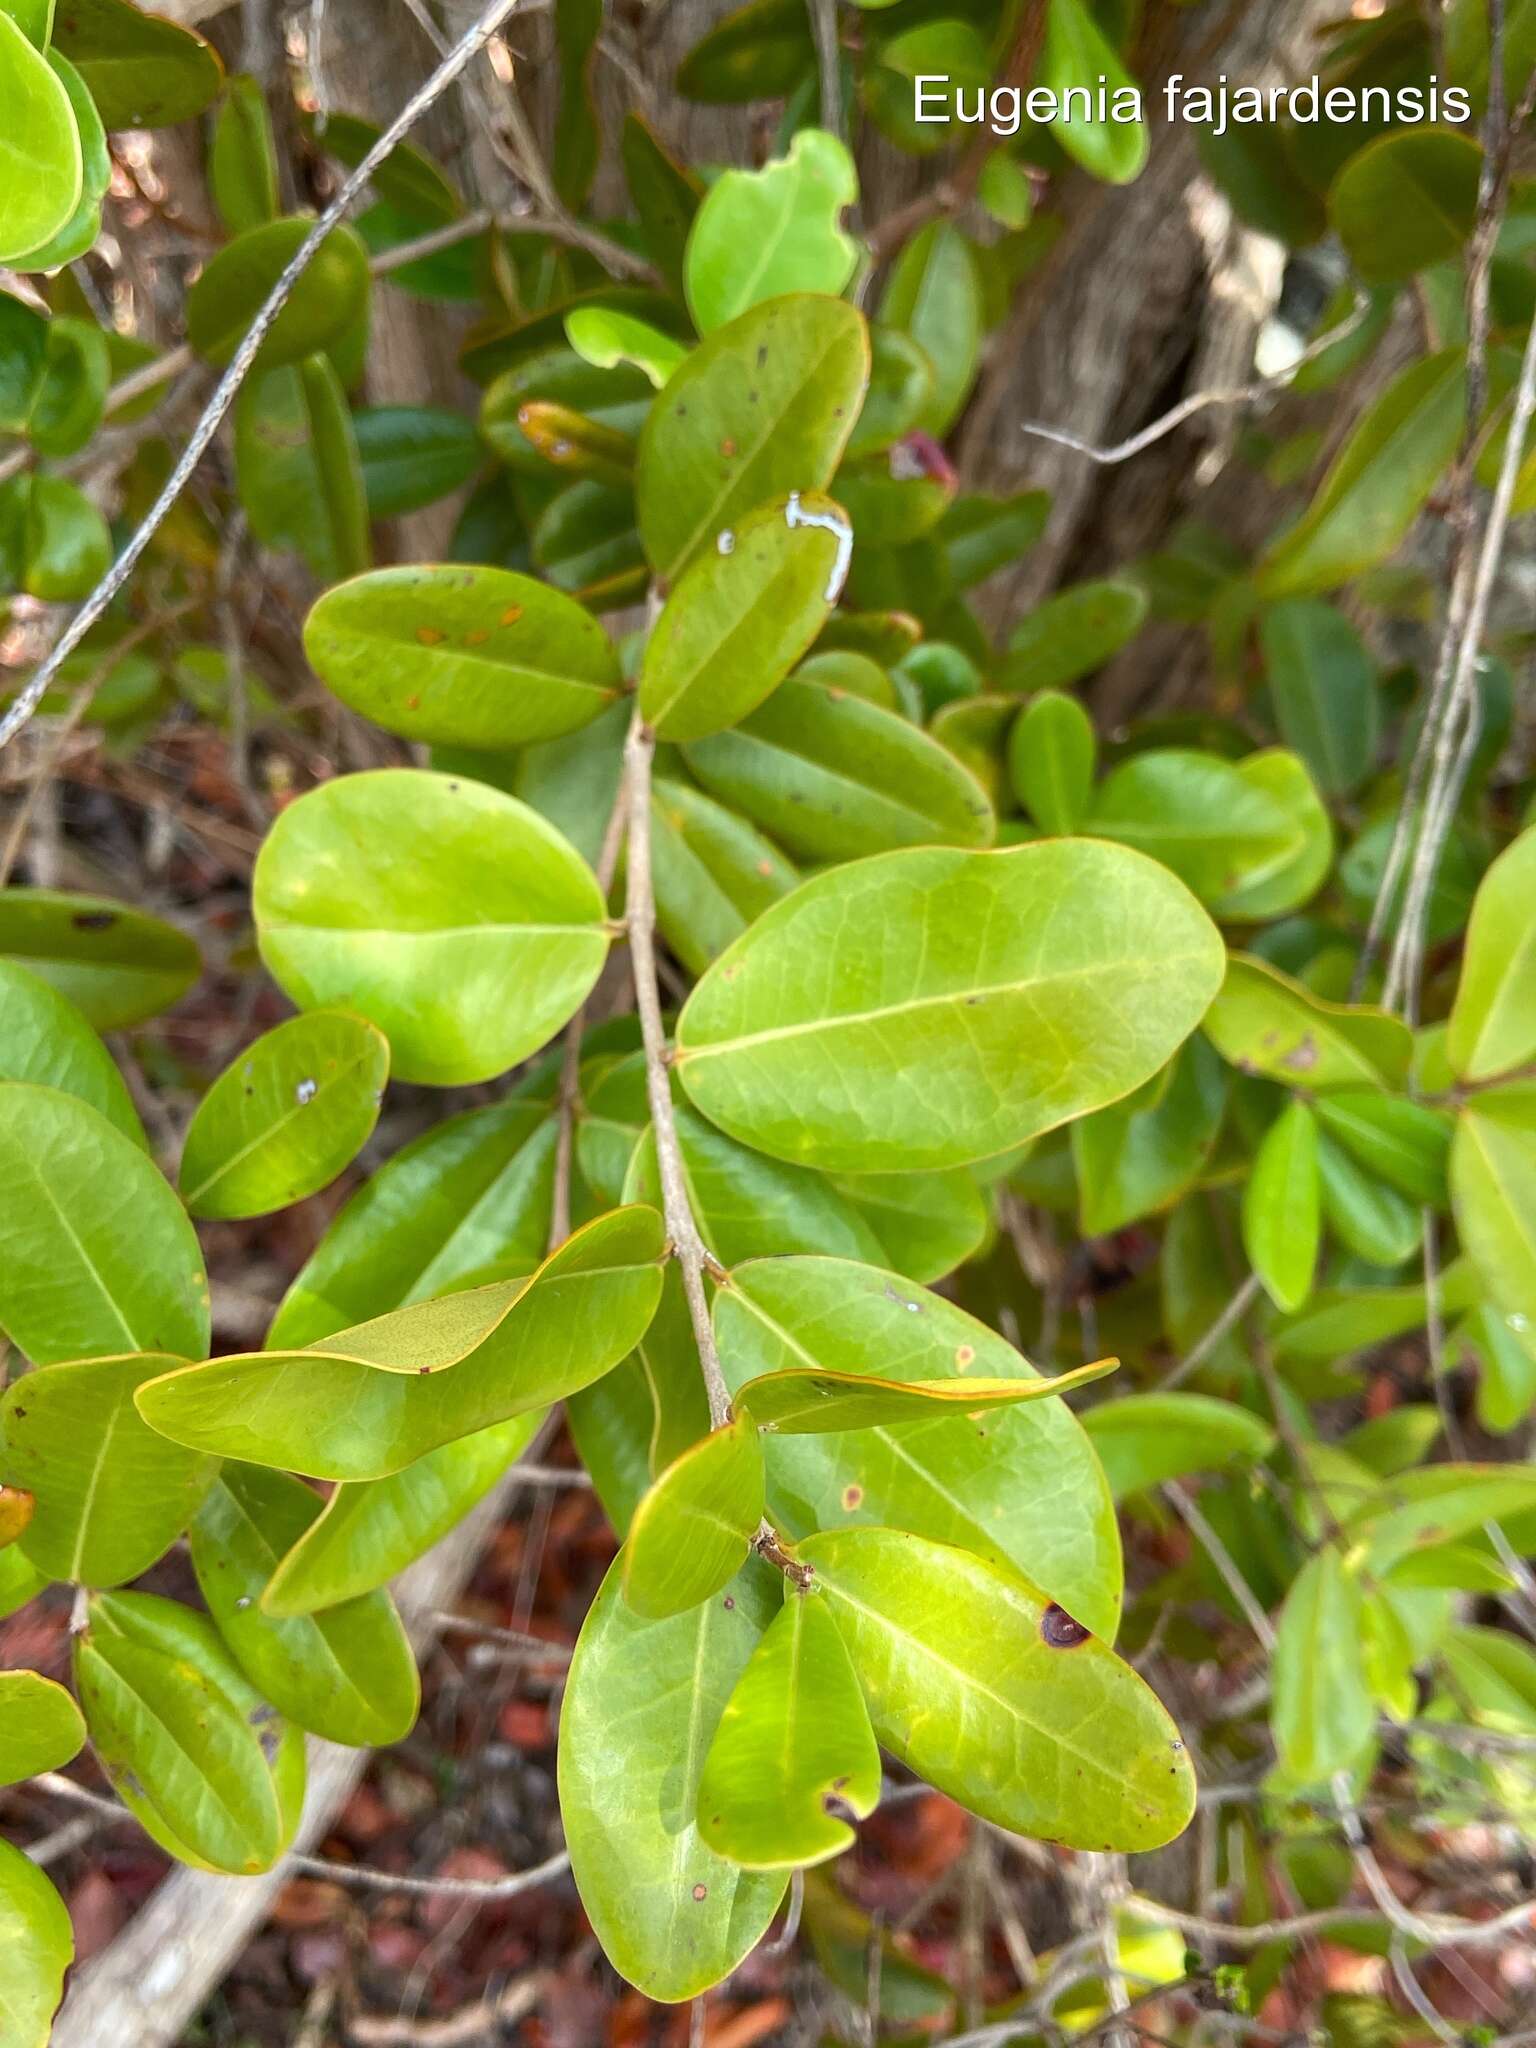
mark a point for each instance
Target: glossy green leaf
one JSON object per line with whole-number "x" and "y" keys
{"x": 325, "y": 302}
{"x": 1024, "y": 987}
{"x": 422, "y": 902}
{"x": 929, "y": 1223}
{"x": 1282, "y": 1207}
{"x": 143, "y": 71}
{"x": 118, "y": 965}
{"x": 641, "y": 1701}
{"x": 763, "y": 48}
{"x": 610, "y": 404}
{"x": 764, "y": 406}
{"x": 831, "y": 776}
{"x": 372, "y": 1400}
{"x": 20, "y": 1581}
{"x": 1051, "y": 756}
{"x": 23, "y": 352}
{"x": 1020, "y": 1485}
{"x": 759, "y": 234}
{"x": 369, "y": 1531}
{"x": 468, "y": 1199}
{"x": 67, "y": 409}
{"x": 1439, "y": 1504}
{"x": 666, "y": 197}
{"x": 933, "y": 295}
{"x": 97, "y": 1256}
{"x": 693, "y": 1530}
{"x": 1072, "y": 634}
{"x": 1323, "y": 685}
{"x": 45, "y": 1040}
{"x": 242, "y": 159}
{"x": 40, "y": 1728}
{"x": 1369, "y": 1219}
{"x": 37, "y": 1945}
{"x": 1493, "y": 1192}
{"x": 1143, "y": 1439}
{"x": 1406, "y": 201}
{"x": 112, "y": 1496}
{"x": 1000, "y": 1698}
{"x": 412, "y": 455}
{"x": 1401, "y": 1142}
{"x": 469, "y": 657}
{"x": 68, "y": 543}
{"x": 1251, "y": 838}
{"x": 813, "y": 1402}
{"x": 1493, "y": 1024}
{"x": 286, "y": 1116}
{"x": 1077, "y": 53}
{"x": 1323, "y": 1714}
{"x": 188, "y": 1743}
{"x": 349, "y": 1673}
{"x": 793, "y": 1760}
{"x": 606, "y": 338}
{"x": 40, "y": 166}
{"x": 712, "y": 872}
{"x": 1377, "y": 484}
{"x": 298, "y": 469}
{"x": 1140, "y": 1154}
{"x": 1266, "y": 1023}
{"x": 741, "y": 615}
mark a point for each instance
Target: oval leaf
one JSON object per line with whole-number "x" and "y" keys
{"x": 692, "y": 1531}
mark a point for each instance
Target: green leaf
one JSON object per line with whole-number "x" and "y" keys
{"x": 23, "y": 352}
{"x": 40, "y": 1728}
{"x": 759, "y": 234}
{"x": 1323, "y": 1714}
{"x": 793, "y": 1760}
{"x": 1072, "y": 634}
{"x": 40, "y": 164}
{"x": 641, "y": 1702}
{"x": 347, "y": 1674}
{"x": 1051, "y": 756}
{"x": 68, "y": 407}
{"x": 412, "y": 455}
{"x": 1493, "y": 1023}
{"x": 1323, "y": 684}
{"x": 369, "y": 1531}
{"x": 20, "y": 1581}
{"x": 998, "y": 1697}
{"x": 450, "y": 915}
{"x": 1493, "y": 1192}
{"x": 666, "y": 198}
{"x": 980, "y": 534}
{"x": 1437, "y": 1505}
{"x": 606, "y": 338}
{"x": 97, "y": 1256}
{"x": 1406, "y": 202}
{"x": 329, "y": 298}
{"x": 929, "y": 1223}
{"x": 297, "y": 466}
{"x": 37, "y": 1945}
{"x": 1251, "y": 838}
{"x": 1263, "y": 1022}
{"x": 190, "y": 1747}
{"x": 610, "y": 403}
{"x": 469, "y": 657}
{"x": 1143, "y": 1439}
{"x": 1371, "y": 1220}
{"x": 242, "y": 160}
{"x": 763, "y": 406}
{"x": 1020, "y": 1486}
{"x": 812, "y": 1402}
{"x": 933, "y": 296}
{"x": 1139, "y": 1155}
{"x": 1282, "y": 1207}
{"x": 112, "y": 1496}
{"x": 741, "y": 615}
{"x": 143, "y": 71}
{"x": 370, "y": 1401}
{"x": 713, "y": 872}
{"x": 831, "y": 776}
{"x": 1077, "y": 54}
{"x": 1026, "y": 987}
{"x": 117, "y": 964}
{"x": 45, "y": 1040}
{"x": 469, "y": 1197}
{"x": 692, "y": 1532}
{"x": 283, "y": 1120}
{"x": 68, "y": 544}
{"x": 1376, "y": 485}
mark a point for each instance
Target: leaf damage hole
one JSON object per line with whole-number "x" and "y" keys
{"x": 1059, "y": 1631}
